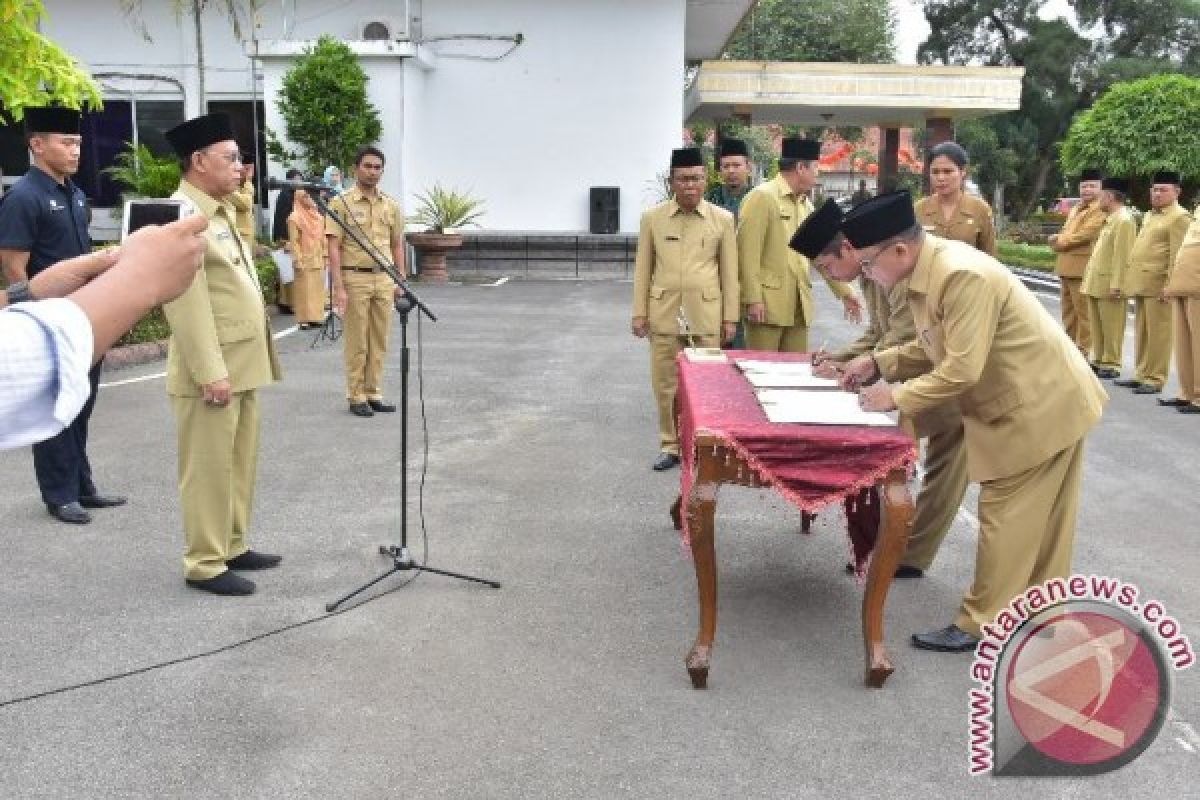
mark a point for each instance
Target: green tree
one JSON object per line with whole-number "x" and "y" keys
{"x": 232, "y": 10}
{"x": 325, "y": 108}
{"x": 33, "y": 70}
{"x": 1138, "y": 128}
{"x": 857, "y": 31}
{"x": 1065, "y": 68}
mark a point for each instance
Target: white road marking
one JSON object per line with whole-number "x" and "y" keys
{"x": 500, "y": 282}
{"x": 156, "y": 375}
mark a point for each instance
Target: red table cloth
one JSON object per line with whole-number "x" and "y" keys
{"x": 810, "y": 465}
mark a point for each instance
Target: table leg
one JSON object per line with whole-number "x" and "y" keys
{"x": 701, "y": 510}
{"x": 889, "y": 547}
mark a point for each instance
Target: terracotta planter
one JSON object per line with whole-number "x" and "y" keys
{"x": 431, "y": 254}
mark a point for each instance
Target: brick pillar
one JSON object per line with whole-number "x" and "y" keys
{"x": 889, "y": 160}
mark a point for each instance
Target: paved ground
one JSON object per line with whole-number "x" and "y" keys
{"x": 569, "y": 681}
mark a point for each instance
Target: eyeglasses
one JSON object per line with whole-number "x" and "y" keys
{"x": 233, "y": 157}
{"x": 867, "y": 263}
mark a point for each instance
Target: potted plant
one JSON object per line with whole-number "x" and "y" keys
{"x": 441, "y": 211}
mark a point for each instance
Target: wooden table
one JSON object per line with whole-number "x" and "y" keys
{"x": 716, "y": 463}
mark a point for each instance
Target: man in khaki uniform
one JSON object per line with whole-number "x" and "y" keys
{"x": 1026, "y": 395}
{"x": 363, "y": 293}
{"x": 890, "y": 324}
{"x": 1150, "y": 265}
{"x": 1104, "y": 277}
{"x": 1183, "y": 290}
{"x": 221, "y": 352}
{"x": 1073, "y": 244}
{"x": 685, "y": 285}
{"x": 775, "y": 282}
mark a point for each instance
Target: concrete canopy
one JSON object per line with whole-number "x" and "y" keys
{"x": 710, "y": 24}
{"x": 889, "y": 95}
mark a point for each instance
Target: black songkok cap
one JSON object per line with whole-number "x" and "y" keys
{"x": 1091, "y": 175}
{"x": 818, "y": 230}
{"x": 199, "y": 133}
{"x": 732, "y": 147}
{"x": 879, "y": 219}
{"x": 1167, "y": 176}
{"x": 52, "y": 120}
{"x": 687, "y": 157}
{"x": 1116, "y": 184}
{"x": 801, "y": 149}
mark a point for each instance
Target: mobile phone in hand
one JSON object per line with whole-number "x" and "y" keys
{"x": 142, "y": 212}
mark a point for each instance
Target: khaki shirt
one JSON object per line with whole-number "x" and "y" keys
{"x": 1185, "y": 278}
{"x": 219, "y": 326}
{"x": 1110, "y": 257}
{"x": 243, "y": 204}
{"x": 770, "y": 271}
{"x": 1154, "y": 250}
{"x": 971, "y": 222}
{"x": 1077, "y": 238}
{"x": 689, "y": 260}
{"x": 987, "y": 343}
{"x": 890, "y": 324}
{"x": 377, "y": 221}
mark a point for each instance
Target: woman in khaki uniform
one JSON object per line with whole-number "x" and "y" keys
{"x": 949, "y": 212}
{"x": 306, "y": 243}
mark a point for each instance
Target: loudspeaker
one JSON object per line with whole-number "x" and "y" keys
{"x": 606, "y": 209}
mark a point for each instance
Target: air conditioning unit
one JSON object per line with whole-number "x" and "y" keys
{"x": 384, "y": 29}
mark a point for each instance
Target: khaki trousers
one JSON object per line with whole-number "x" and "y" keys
{"x": 664, "y": 379}
{"x": 218, "y": 461}
{"x": 1107, "y": 318}
{"x": 1152, "y": 340}
{"x": 367, "y": 323}
{"x": 308, "y": 295}
{"x": 941, "y": 494}
{"x": 1075, "y": 313}
{"x": 1187, "y": 346}
{"x": 776, "y": 338}
{"x": 1026, "y": 534}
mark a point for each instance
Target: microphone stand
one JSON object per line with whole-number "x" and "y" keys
{"x": 402, "y": 560}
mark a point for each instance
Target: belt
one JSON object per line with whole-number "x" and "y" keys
{"x": 360, "y": 269}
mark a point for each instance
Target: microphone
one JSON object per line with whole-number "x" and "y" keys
{"x": 276, "y": 183}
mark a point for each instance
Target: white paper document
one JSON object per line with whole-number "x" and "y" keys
{"x": 818, "y": 408}
{"x": 783, "y": 375}
{"x": 283, "y": 261}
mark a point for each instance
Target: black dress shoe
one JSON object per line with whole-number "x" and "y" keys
{"x": 1094, "y": 368}
{"x": 1127, "y": 383}
{"x": 72, "y": 513}
{"x": 950, "y": 639}
{"x": 227, "y": 583}
{"x": 1188, "y": 409}
{"x": 1147, "y": 388}
{"x": 361, "y": 410}
{"x": 1174, "y": 402}
{"x": 252, "y": 560}
{"x": 102, "y": 500}
{"x": 666, "y": 461}
{"x": 1108, "y": 373}
{"x": 905, "y": 571}
{"x": 381, "y": 407}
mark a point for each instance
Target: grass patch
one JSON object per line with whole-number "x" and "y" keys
{"x": 1029, "y": 256}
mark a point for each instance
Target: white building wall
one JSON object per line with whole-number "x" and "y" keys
{"x": 593, "y": 97}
